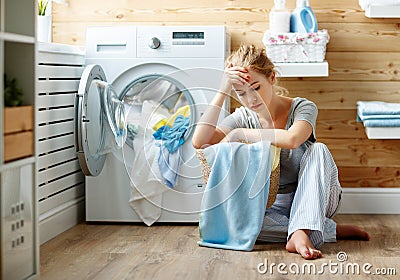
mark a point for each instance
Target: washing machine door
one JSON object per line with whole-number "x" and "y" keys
{"x": 100, "y": 122}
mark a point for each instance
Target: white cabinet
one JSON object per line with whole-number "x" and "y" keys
{"x": 18, "y": 210}
{"x": 18, "y": 228}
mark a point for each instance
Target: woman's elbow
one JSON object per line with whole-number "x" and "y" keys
{"x": 196, "y": 144}
{"x": 196, "y": 140}
{"x": 293, "y": 142}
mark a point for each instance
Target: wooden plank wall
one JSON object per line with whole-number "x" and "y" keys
{"x": 363, "y": 56}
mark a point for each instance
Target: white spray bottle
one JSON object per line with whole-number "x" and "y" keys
{"x": 279, "y": 18}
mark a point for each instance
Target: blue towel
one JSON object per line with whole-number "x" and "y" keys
{"x": 378, "y": 113}
{"x": 378, "y": 108}
{"x": 169, "y": 159}
{"x": 235, "y": 198}
{"x": 376, "y": 117}
{"x": 173, "y": 137}
{"x": 382, "y": 123}
{"x": 169, "y": 164}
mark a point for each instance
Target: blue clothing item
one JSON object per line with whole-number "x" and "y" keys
{"x": 173, "y": 137}
{"x": 132, "y": 131}
{"x": 378, "y": 113}
{"x": 376, "y": 117}
{"x": 169, "y": 164}
{"x": 235, "y": 198}
{"x": 300, "y": 110}
{"x": 368, "y": 108}
{"x": 382, "y": 123}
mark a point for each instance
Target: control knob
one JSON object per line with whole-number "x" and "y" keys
{"x": 154, "y": 43}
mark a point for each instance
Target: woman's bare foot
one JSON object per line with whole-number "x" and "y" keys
{"x": 300, "y": 243}
{"x": 351, "y": 232}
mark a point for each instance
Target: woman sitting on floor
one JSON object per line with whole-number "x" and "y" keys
{"x": 309, "y": 190}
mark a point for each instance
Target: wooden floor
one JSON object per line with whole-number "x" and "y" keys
{"x": 135, "y": 251}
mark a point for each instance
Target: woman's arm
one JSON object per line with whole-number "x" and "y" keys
{"x": 207, "y": 132}
{"x": 292, "y": 138}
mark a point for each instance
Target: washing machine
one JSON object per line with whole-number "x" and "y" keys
{"x": 132, "y": 74}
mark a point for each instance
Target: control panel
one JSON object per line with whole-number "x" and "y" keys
{"x": 184, "y": 41}
{"x": 157, "y": 42}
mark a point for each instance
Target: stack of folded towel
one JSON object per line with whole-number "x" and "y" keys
{"x": 378, "y": 113}
{"x": 364, "y": 4}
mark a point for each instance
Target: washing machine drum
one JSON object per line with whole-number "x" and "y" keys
{"x": 107, "y": 120}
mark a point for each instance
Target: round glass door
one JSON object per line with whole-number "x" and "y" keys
{"x": 153, "y": 102}
{"x": 100, "y": 120}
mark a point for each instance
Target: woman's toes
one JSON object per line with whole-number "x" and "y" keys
{"x": 310, "y": 254}
{"x": 300, "y": 243}
{"x": 305, "y": 253}
{"x": 316, "y": 253}
{"x": 366, "y": 236}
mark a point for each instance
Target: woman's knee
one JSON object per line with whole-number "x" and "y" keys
{"x": 320, "y": 149}
{"x": 318, "y": 152}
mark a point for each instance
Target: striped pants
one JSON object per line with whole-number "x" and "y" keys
{"x": 311, "y": 206}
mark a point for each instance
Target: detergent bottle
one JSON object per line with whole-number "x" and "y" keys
{"x": 279, "y": 18}
{"x": 303, "y": 19}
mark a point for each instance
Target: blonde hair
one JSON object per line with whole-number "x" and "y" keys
{"x": 256, "y": 59}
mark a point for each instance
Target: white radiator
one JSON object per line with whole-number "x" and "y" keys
{"x": 61, "y": 184}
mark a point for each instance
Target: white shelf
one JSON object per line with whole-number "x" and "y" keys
{"x": 19, "y": 254}
{"x": 17, "y": 38}
{"x": 309, "y": 69}
{"x": 383, "y": 11}
{"x": 383, "y": 132}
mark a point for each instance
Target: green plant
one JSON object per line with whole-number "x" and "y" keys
{"x": 13, "y": 95}
{"x": 42, "y": 6}
{"x": 44, "y": 3}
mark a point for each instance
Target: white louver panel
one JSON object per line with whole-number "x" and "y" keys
{"x": 61, "y": 184}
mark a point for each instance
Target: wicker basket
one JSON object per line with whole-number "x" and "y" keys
{"x": 274, "y": 177}
{"x": 296, "y": 47}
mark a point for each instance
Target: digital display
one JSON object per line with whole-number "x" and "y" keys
{"x": 187, "y": 35}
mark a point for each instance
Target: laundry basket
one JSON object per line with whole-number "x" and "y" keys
{"x": 274, "y": 177}
{"x": 296, "y": 47}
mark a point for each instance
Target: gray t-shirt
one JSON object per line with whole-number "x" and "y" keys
{"x": 301, "y": 109}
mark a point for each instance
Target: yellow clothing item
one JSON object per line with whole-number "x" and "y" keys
{"x": 160, "y": 123}
{"x": 275, "y": 156}
{"x": 183, "y": 111}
